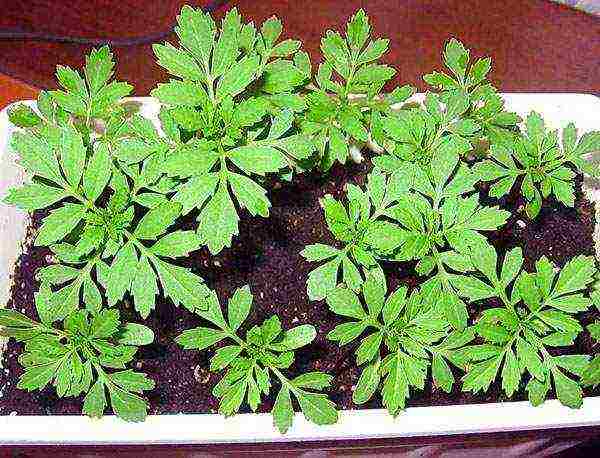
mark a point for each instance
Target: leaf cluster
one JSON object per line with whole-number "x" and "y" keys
{"x": 537, "y": 315}
{"x": 411, "y": 215}
{"x": 230, "y": 116}
{"x": 541, "y": 163}
{"x": 402, "y": 337}
{"x": 347, "y": 95}
{"x": 87, "y": 354}
{"x": 251, "y": 364}
{"x": 484, "y": 117}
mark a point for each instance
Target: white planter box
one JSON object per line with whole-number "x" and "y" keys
{"x": 557, "y": 109}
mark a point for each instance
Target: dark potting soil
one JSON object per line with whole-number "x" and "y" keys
{"x": 266, "y": 256}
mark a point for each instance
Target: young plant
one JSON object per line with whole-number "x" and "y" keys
{"x": 484, "y": 117}
{"x": 230, "y": 116}
{"x": 417, "y": 134}
{"x": 93, "y": 184}
{"x": 405, "y": 337}
{"x": 543, "y": 165}
{"x": 439, "y": 222}
{"x": 537, "y": 315}
{"x": 348, "y": 91}
{"x": 253, "y": 363}
{"x": 88, "y": 354}
{"x": 363, "y": 230}
{"x": 85, "y": 99}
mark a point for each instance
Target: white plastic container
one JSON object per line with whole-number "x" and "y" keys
{"x": 557, "y": 109}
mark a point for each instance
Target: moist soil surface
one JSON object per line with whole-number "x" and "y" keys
{"x": 266, "y": 256}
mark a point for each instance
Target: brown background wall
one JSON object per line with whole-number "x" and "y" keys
{"x": 536, "y": 45}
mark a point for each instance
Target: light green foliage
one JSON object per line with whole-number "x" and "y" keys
{"x": 362, "y": 229}
{"x": 417, "y": 134}
{"x": 88, "y": 96}
{"x": 403, "y": 337}
{"x": 253, "y": 363}
{"x": 95, "y": 183}
{"x": 484, "y": 117}
{"x": 88, "y": 354}
{"x": 543, "y": 166}
{"x": 347, "y": 95}
{"x": 537, "y": 314}
{"x": 433, "y": 218}
{"x": 439, "y": 221}
{"x": 216, "y": 143}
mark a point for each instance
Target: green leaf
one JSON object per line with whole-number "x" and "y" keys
{"x": 180, "y": 93}
{"x": 199, "y": 338}
{"x": 157, "y": 220}
{"x": 136, "y": 334}
{"x": 317, "y": 408}
{"x": 368, "y": 383}
{"x": 196, "y": 30}
{"x": 99, "y": 66}
{"x": 511, "y": 374}
{"x": 369, "y": 348}
{"x": 177, "y": 62}
{"x": 34, "y": 196}
{"x": 226, "y": 49}
{"x": 249, "y": 194}
{"x": 36, "y": 156}
{"x": 591, "y": 376}
{"x": 12, "y": 318}
{"x": 37, "y": 377}
{"x": 374, "y": 294}
{"x": 127, "y": 406}
{"x": 132, "y": 150}
{"x": 177, "y": 244}
{"x": 121, "y": 273}
{"x": 59, "y": 224}
{"x": 94, "y": 402}
{"x": 314, "y": 380}
{"x": 297, "y": 337}
{"x": 238, "y": 307}
{"x": 283, "y": 412}
{"x": 574, "y": 276}
{"x": 72, "y": 155}
{"x": 394, "y": 305}
{"x": 322, "y": 280}
{"x": 456, "y": 57}
{"x": 257, "y": 159}
{"x": 132, "y": 381}
{"x": 144, "y": 288}
{"x": 395, "y": 386}
{"x": 23, "y": 116}
{"x": 182, "y": 286}
{"x": 352, "y": 125}
{"x": 568, "y": 392}
{"x": 195, "y": 192}
{"x": 318, "y": 252}
{"x": 224, "y": 356}
{"x": 238, "y": 77}
{"x": 97, "y": 172}
{"x": 105, "y": 323}
{"x": 281, "y": 76}
{"x": 344, "y": 302}
{"x": 511, "y": 266}
{"x": 218, "y": 221}
{"x": 441, "y": 373}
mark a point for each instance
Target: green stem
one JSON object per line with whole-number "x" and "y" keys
{"x": 283, "y": 379}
